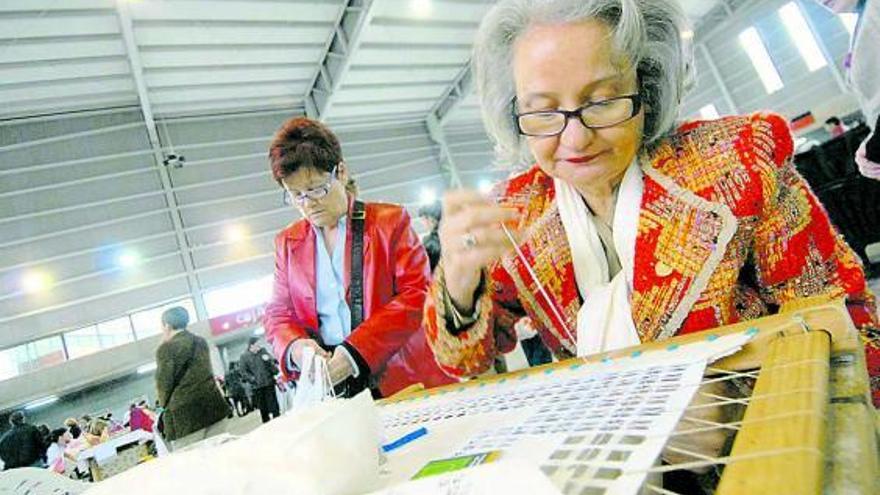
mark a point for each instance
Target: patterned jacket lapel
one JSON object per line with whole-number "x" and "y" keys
{"x": 549, "y": 260}
{"x": 682, "y": 239}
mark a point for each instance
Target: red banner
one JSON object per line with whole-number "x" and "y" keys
{"x": 234, "y": 321}
{"x": 802, "y": 121}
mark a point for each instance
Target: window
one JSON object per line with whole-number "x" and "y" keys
{"x": 239, "y": 296}
{"x": 149, "y": 322}
{"x": 709, "y": 112}
{"x": 757, "y": 52}
{"x": 850, "y": 21}
{"x": 97, "y": 337}
{"x": 802, "y": 35}
{"x": 82, "y": 342}
{"x": 8, "y": 365}
{"x": 31, "y": 357}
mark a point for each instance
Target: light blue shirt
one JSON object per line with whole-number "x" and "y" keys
{"x": 334, "y": 315}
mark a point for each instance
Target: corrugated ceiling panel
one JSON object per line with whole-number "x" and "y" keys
{"x": 61, "y": 57}
{"x": 87, "y": 192}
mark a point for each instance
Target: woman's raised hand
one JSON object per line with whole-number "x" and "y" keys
{"x": 471, "y": 238}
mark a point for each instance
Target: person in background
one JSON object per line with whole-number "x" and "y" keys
{"x": 431, "y": 215}
{"x": 84, "y": 422}
{"x": 77, "y": 439}
{"x": 22, "y": 445}
{"x": 98, "y": 432}
{"x": 45, "y": 432}
{"x": 194, "y": 408}
{"x": 139, "y": 418}
{"x": 236, "y": 390}
{"x": 834, "y": 126}
{"x": 57, "y": 454}
{"x": 312, "y": 303}
{"x": 259, "y": 368}
{"x": 114, "y": 425}
{"x": 73, "y": 427}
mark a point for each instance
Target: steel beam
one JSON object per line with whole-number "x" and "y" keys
{"x": 460, "y": 88}
{"x": 338, "y": 53}
{"x": 137, "y": 71}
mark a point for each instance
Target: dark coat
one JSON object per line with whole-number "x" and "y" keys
{"x": 234, "y": 385}
{"x": 432, "y": 246}
{"x": 21, "y": 446}
{"x": 258, "y": 369}
{"x": 195, "y": 402}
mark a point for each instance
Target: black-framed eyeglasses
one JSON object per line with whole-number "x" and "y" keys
{"x": 593, "y": 115}
{"x": 316, "y": 193}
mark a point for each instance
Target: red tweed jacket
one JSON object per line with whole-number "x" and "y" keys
{"x": 728, "y": 231}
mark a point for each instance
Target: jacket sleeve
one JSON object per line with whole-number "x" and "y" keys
{"x": 798, "y": 252}
{"x": 472, "y": 350}
{"x": 280, "y": 321}
{"x": 164, "y": 373}
{"x": 388, "y": 328}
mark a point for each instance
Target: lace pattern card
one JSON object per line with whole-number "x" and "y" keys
{"x": 592, "y": 429}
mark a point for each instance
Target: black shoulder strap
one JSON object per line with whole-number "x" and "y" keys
{"x": 358, "y": 214}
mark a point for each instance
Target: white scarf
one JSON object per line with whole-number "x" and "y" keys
{"x": 604, "y": 322}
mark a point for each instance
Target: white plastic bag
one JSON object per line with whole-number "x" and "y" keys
{"x": 327, "y": 449}
{"x": 314, "y": 384}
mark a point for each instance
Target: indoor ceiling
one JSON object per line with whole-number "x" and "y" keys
{"x": 360, "y": 58}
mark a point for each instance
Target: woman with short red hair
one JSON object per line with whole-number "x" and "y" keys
{"x": 366, "y": 322}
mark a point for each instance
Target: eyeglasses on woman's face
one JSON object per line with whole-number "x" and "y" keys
{"x": 316, "y": 193}
{"x": 593, "y": 115}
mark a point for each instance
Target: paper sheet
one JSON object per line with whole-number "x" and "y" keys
{"x": 596, "y": 426}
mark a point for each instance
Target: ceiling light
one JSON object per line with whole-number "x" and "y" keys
{"x": 802, "y": 35}
{"x": 757, "y": 52}
{"x": 687, "y": 34}
{"x": 709, "y": 112}
{"x": 128, "y": 259}
{"x": 428, "y": 196}
{"x": 421, "y": 8}
{"x": 236, "y": 233}
{"x": 34, "y": 282}
{"x": 485, "y": 186}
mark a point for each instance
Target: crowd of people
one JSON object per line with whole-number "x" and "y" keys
{"x": 28, "y": 445}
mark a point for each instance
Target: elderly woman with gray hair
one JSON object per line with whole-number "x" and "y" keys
{"x": 630, "y": 227}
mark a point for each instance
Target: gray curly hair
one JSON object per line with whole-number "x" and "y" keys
{"x": 647, "y": 32}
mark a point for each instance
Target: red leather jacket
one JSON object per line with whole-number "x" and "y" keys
{"x": 396, "y": 277}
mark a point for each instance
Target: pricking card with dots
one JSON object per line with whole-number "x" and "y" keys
{"x": 591, "y": 428}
